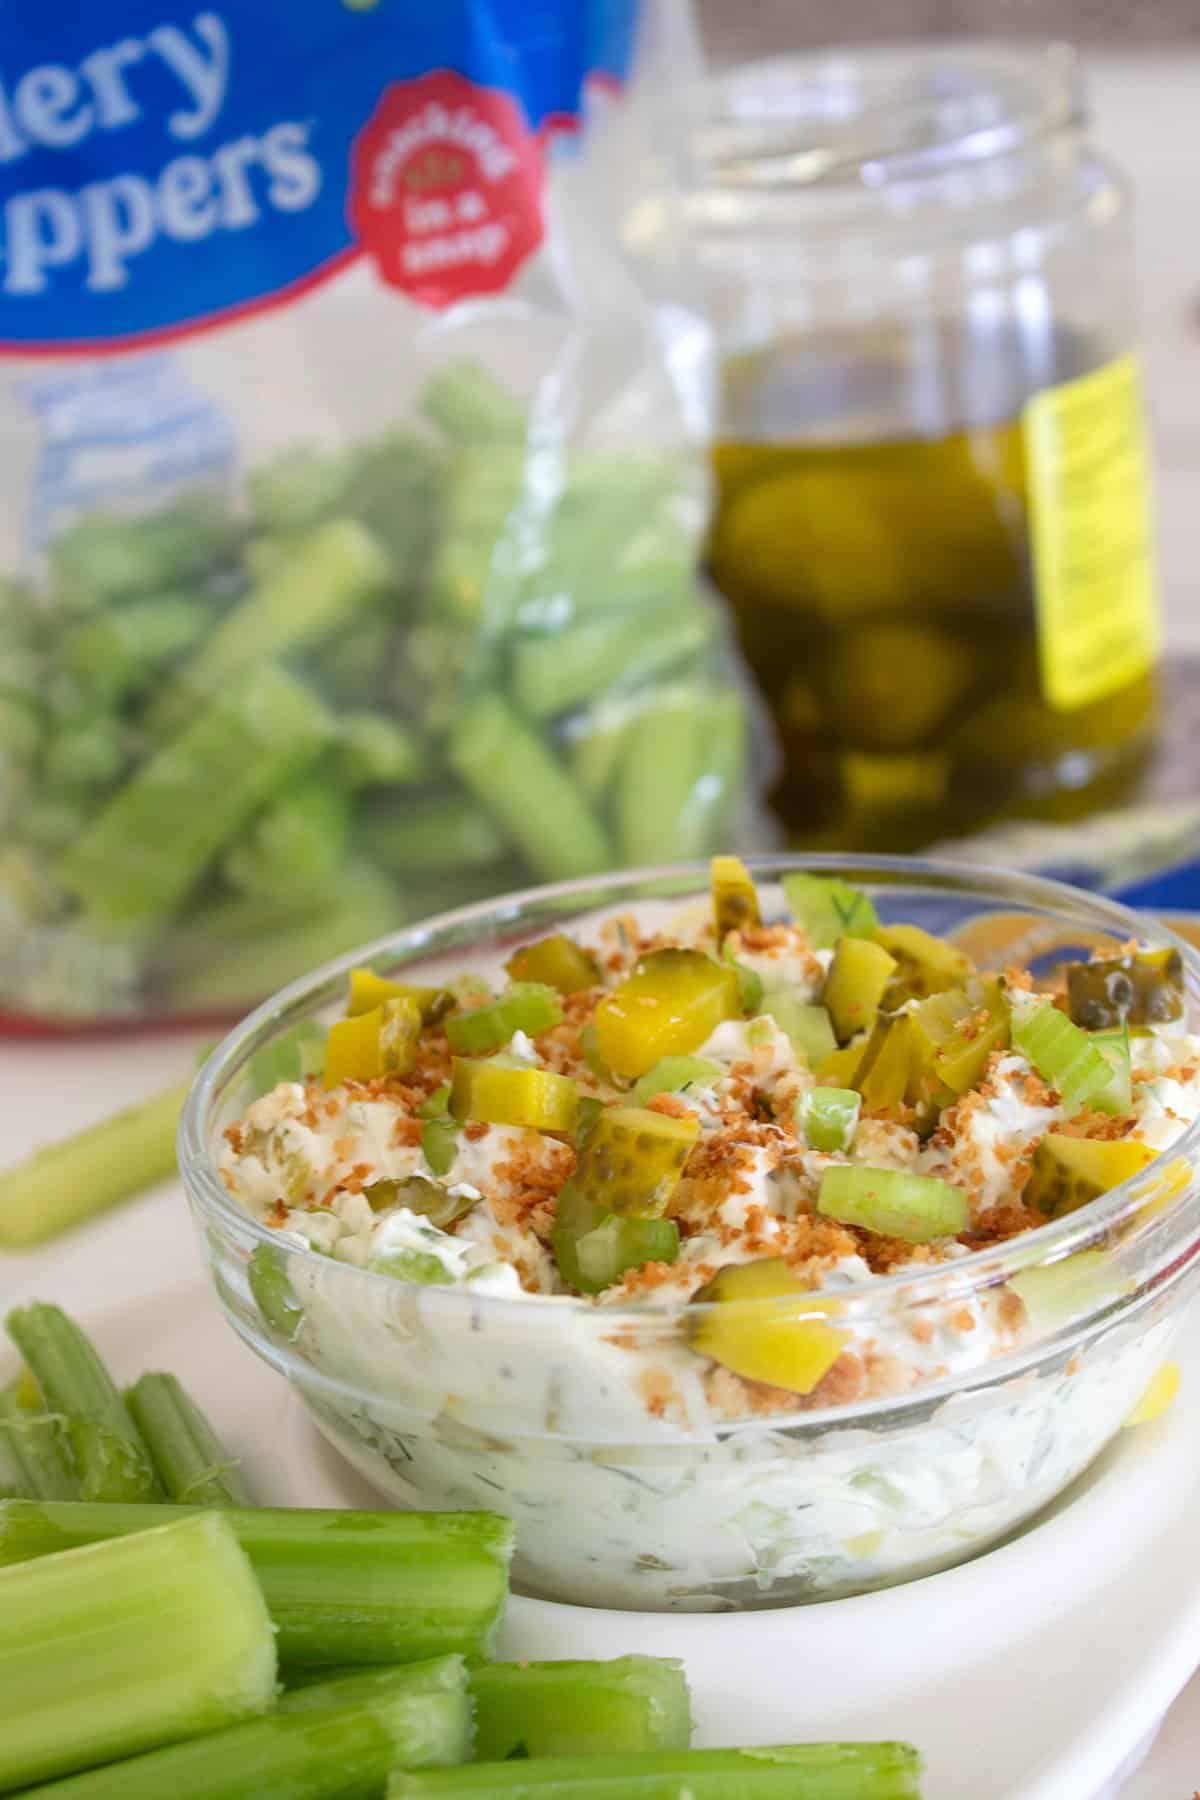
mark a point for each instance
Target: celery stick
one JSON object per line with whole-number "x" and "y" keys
{"x": 102, "y": 559}
{"x": 349, "y": 1587}
{"x": 192, "y": 1463}
{"x": 916, "y": 1208}
{"x": 119, "y": 1647}
{"x": 299, "y": 838}
{"x": 676, "y": 775}
{"x": 512, "y": 772}
{"x": 65, "y": 1183}
{"x": 553, "y": 674}
{"x": 334, "y": 571}
{"x": 337, "y": 1741}
{"x": 374, "y": 750}
{"x": 470, "y": 406}
{"x": 790, "y": 1771}
{"x": 299, "y": 487}
{"x": 580, "y": 1708}
{"x": 111, "y": 1458}
{"x": 152, "y": 841}
{"x": 36, "y": 1448}
{"x": 438, "y": 835}
{"x": 85, "y": 754}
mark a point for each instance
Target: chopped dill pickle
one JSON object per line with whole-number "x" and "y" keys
{"x": 783, "y": 1343}
{"x": 1054, "y": 1293}
{"x": 668, "y": 1006}
{"x": 751, "y": 986}
{"x": 556, "y": 961}
{"x": 267, "y": 1275}
{"x": 854, "y": 987}
{"x": 439, "y": 1143}
{"x": 427, "y": 1198}
{"x": 437, "y": 1105}
{"x": 884, "y": 1076}
{"x": 505, "y": 1096}
{"x": 926, "y": 964}
{"x": 734, "y": 896}
{"x": 840, "y": 1068}
{"x": 1145, "y": 988}
{"x": 892, "y": 1202}
{"x": 828, "y": 909}
{"x": 373, "y": 1044}
{"x": 369, "y": 990}
{"x": 956, "y": 1031}
{"x": 633, "y": 1159}
{"x": 1070, "y": 1172}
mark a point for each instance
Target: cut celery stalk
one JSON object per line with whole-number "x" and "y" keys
{"x": 148, "y": 846}
{"x": 528, "y": 1006}
{"x": 1062, "y": 1053}
{"x": 539, "y": 1709}
{"x": 675, "y": 1075}
{"x": 65, "y": 1183}
{"x": 516, "y": 776}
{"x": 336, "y": 1741}
{"x": 789, "y": 1771}
{"x": 892, "y": 1202}
{"x": 828, "y": 1116}
{"x": 342, "y": 1586}
{"x": 116, "y": 1648}
{"x": 35, "y": 1459}
{"x": 192, "y": 1463}
{"x": 828, "y": 908}
{"x": 807, "y": 1026}
{"x": 331, "y": 573}
{"x": 112, "y": 1460}
{"x": 471, "y": 407}
{"x": 1117, "y": 1096}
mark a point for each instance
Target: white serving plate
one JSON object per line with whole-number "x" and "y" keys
{"x": 1038, "y": 1672}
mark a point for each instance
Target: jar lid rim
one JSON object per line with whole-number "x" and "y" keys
{"x": 877, "y": 115}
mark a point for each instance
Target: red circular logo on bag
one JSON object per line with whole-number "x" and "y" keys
{"x": 446, "y": 188}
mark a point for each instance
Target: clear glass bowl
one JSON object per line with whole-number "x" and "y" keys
{"x": 537, "y": 1407}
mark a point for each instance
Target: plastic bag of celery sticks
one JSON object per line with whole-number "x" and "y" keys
{"x": 355, "y": 479}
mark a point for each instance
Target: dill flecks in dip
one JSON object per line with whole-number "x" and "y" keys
{"x": 728, "y": 1110}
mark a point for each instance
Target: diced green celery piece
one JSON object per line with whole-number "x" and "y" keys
{"x": 151, "y": 842}
{"x": 536, "y": 1709}
{"x": 828, "y": 1116}
{"x": 341, "y": 1586}
{"x": 515, "y": 774}
{"x": 828, "y": 908}
{"x": 334, "y": 1741}
{"x": 788, "y": 1771}
{"x": 528, "y": 1006}
{"x": 620, "y": 1242}
{"x": 192, "y": 1463}
{"x": 1063, "y": 1055}
{"x": 437, "y": 1105}
{"x": 1117, "y": 1096}
{"x": 65, "y": 1183}
{"x": 439, "y": 1143}
{"x": 674, "y": 1075}
{"x": 806, "y": 1025}
{"x": 917, "y": 1208}
{"x": 117, "y": 1648}
{"x": 421, "y": 1266}
{"x": 274, "y": 1295}
{"x": 112, "y": 1460}
{"x": 1054, "y": 1293}
{"x": 752, "y": 989}
{"x": 335, "y": 570}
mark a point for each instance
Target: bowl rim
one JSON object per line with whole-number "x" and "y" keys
{"x": 940, "y": 1282}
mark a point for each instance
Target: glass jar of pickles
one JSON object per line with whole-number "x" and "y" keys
{"x": 932, "y": 519}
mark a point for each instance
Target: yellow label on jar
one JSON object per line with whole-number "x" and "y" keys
{"x": 1093, "y": 561}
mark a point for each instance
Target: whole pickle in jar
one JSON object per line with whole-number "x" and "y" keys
{"x": 1142, "y": 988}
